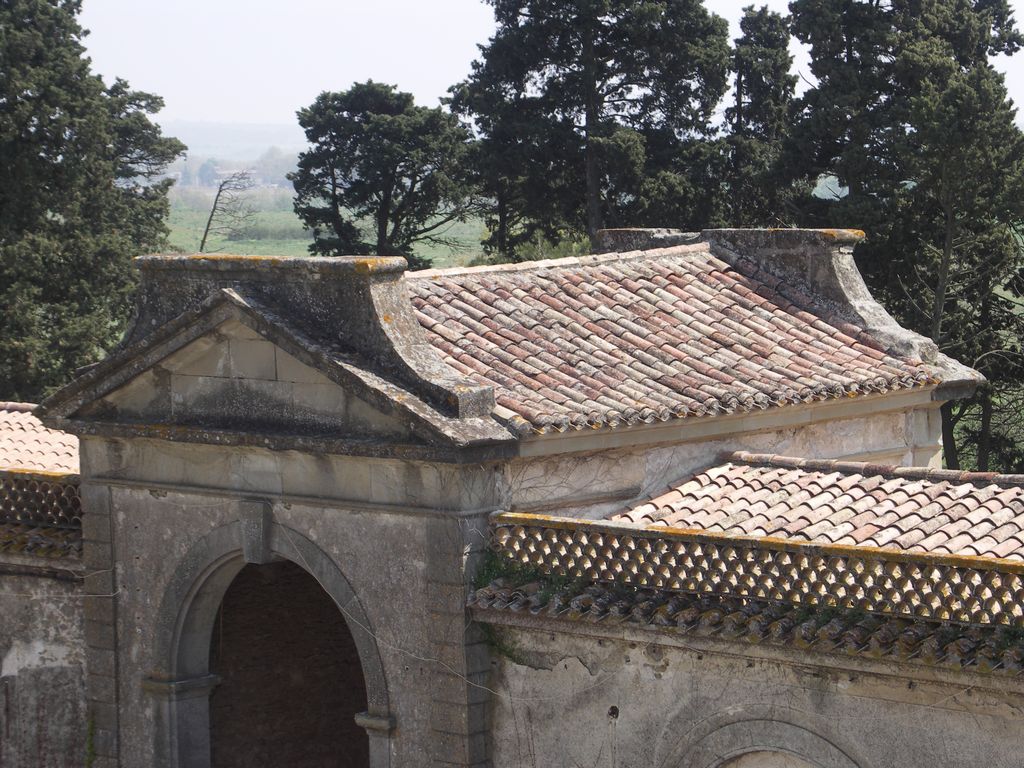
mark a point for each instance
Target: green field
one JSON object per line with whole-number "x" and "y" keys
{"x": 275, "y": 230}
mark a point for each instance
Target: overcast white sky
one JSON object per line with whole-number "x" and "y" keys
{"x": 258, "y": 61}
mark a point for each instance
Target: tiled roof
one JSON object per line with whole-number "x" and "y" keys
{"x": 997, "y": 650}
{"x": 40, "y": 541}
{"x": 908, "y": 509}
{"x": 642, "y": 337}
{"x": 26, "y": 444}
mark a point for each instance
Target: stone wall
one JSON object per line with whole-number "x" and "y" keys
{"x": 401, "y": 534}
{"x": 602, "y": 697}
{"x": 43, "y": 721}
{"x": 597, "y": 483}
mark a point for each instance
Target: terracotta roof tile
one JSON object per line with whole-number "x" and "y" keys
{"x": 998, "y": 650}
{"x": 623, "y": 339}
{"x": 835, "y": 502}
{"x": 26, "y": 444}
{"x": 40, "y": 541}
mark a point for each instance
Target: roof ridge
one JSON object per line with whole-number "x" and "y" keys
{"x": 567, "y": 261}
{"x": 11, "y": 405}
{"x": 883, "y": 470}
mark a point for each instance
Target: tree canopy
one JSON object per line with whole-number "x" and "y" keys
{"x": 377, "y": 157}
{"x": 910, "y": 117}
{"x": 79, "y": 196}
{"x": 587, "y": 92}
{"x": 758, "y": 121}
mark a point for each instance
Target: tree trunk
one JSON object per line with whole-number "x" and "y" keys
{"x": 209, "y": 219}
{"x": 949, "y": 449}
{"x": 985, "y": 436}
{"x": 590, "y": 127}
{"x": 942, "y": 279}
{"x": 383, "y": 215}
{"x": 501, "y": 233}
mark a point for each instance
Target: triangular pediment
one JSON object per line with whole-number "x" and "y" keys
{"x": 234, "y": 370}
{"x": 235, "y": 378}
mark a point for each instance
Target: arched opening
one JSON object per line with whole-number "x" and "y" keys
{"x": 291, "y": 682}
{"x": 767, "y": 759}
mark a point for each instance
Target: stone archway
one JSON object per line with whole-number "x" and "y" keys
{"x": 767, "y": 759}
{"x": 738, "y": 742}
{"x": 182, "y": 681}
{"x": 290, "y": 683}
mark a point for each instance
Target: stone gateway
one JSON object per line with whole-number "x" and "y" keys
{"x": 678, "y": 504}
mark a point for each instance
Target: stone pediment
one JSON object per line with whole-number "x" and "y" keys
{"x": 233, "y": 370}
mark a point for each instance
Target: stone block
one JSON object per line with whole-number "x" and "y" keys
{"x": 138, "y": 396}
{"x": 460, "y": 749}
{"x": 447, "y": 627}
{"x": 463, "y": 659}
{"x": 100, "y": 583}
{"x": 99, "y": 609}
{"x": 206, "y": 356}
{"x": 100, "y": 635}
{"x": 290, "y": 369}
{"x": 101, "y": 687}
{"x": 236, "y": 330}
{"x": 103, "y": 715}
{"x": 319, "y": 398}
{"x": 95, "y": 526}
{"x": 96, "y": 555}
{"x": 368, "y": 419}
{"x": 105, "y": 743}
{"x": 252, "y": 359}
{"x": 458, "y": 718}
{"x": 100, "y": 661}
{"x": 446, "y": 598}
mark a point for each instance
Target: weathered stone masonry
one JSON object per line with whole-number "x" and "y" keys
{"x": 389, "y": 434}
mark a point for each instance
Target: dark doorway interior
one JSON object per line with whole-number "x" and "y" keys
{"x": 291, "y": 680}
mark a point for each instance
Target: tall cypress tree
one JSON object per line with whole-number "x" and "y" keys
{"x": 79, "y": 196}
{"x": 759, "y": 119}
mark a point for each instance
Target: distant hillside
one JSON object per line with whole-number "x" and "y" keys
{"x": 234, "y": 141}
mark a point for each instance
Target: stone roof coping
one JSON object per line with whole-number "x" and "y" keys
{"x": 301, "y": 265}
{"x": 15, "y": 406}
{"x": 562, "y": 263}
{"x": 881, "y": 470}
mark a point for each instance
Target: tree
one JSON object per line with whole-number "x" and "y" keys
{"x": 911, "y": 118}
{"x": 80, "y": 195}
{"x": 522, "y": 165}
{"x": 274, "y": 165}
{"x": 759, "y": 120}
{"x": 600, "y": 80}
{"x": 230, "y": 211}
{"x": 207, "y": 173}
{"x": 376, "y": 156}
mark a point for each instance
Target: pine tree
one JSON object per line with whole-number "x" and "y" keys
{"x": 80, "y": 195}
{"x": 375, "y": 156}
{"x": 603, "y": 79}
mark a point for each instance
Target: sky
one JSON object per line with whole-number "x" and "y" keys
{"x": 258, "y": 61}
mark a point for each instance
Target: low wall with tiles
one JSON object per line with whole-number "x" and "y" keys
{"x": 43, "y": 718}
